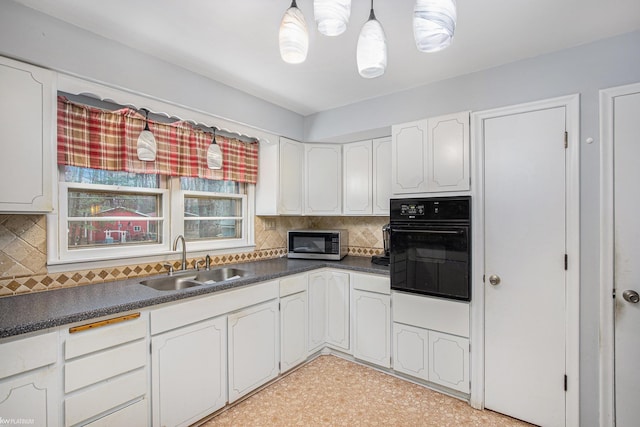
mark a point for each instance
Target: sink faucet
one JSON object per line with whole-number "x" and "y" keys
{"x": 183, "y": 263}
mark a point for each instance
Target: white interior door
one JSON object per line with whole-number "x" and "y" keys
{"x": 626, "y": 145}
{"x": 525, "y": 246}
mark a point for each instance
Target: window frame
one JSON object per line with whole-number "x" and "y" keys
{"x": 115, "y": 251}
{"x": 177, "y": 208}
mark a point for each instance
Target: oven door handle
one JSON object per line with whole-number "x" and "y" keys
{"x": 395, "y": 230}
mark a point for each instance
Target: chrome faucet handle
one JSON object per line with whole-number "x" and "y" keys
{"x": 207, "y": 262}
{"x": 198, "y": 264}
{"x": 170, "y": 267}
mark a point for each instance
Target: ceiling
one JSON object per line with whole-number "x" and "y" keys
{"x": 236, "y": 41}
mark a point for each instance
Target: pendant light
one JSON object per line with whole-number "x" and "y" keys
{"x": 371, "y": 52}
{"x": 146, "y": 142}
{"x": 332, "y": 16}
{"x": 214, "y": 154}
{"x": 434, "y": 22}
{"x": 293, "y": 36}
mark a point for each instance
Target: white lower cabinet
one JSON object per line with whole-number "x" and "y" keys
{"x": 317, "y": 296}
{"x": 449, "y": 361}
{"x": 430, "y": 339}
{"x": 29, "y": 381}
{"x": 338, "y": 310}
{"x": 432, "y": 356}
{"x": 253, "y": 348}
{"x": 189, "y": 372}
{"x": 293, "y": 321}
{"x": 372, "y": 324}
{"x": 411, "y": 350}
{"x": 329, "y": 310}
{"x": 371, "y": 319}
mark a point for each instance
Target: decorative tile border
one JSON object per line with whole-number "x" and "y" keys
{"x": 45, "y": 282}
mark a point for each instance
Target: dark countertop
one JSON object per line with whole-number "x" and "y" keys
{"x": 32, "y": 312}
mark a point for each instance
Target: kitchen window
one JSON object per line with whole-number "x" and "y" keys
{"x": 113, "y": 206}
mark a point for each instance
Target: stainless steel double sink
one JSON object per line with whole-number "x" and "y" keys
{"x": 189, "y": 279}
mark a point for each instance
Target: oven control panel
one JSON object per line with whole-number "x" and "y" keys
{"x": 412, "y": 209}
{"x": 438, "y": 209}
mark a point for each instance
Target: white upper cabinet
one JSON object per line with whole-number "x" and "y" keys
{"x": 381, "y": 175}
{"x": 323, "y": 179}
{"x": 291, "y": 176}
{"x": 367, "y": 177}
{"x": 448, "y": 153}
{"x": 27, "y": 137}
{"x": 280, "y": 177}
{"x": 431, "y": 155}
{"x": 357, "y": 171}
{"x": 408, "y": 174}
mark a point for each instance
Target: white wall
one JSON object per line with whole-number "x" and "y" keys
{"x": 33, "y": 37}
{"x": 585, "y": 70}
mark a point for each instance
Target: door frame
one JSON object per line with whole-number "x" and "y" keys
{"x": 607, "y": 303}
{"x": 571, "y": 103}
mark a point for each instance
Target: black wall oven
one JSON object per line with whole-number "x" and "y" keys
{"x": 431, "y": 246}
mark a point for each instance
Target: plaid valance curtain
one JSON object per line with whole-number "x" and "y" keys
{"x": 93, "y": 138}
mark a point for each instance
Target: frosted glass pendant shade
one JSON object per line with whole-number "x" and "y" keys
{"x": 332, "y": 16}
{"x": 434, "y": 22}
{"x": 372, "y": 49}
{"x": 293, "y": 36}
{"x": 146, "y": 145}
{"x": 214, "y": 154}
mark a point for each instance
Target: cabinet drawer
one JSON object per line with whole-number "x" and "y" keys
{"x": 371, "y": 283}
{"x": 25, "y": 354}
{"x": 436, "y": 314}
{"x": 105, "y": 397}
{"x": 198, "y": 309}
{"x": 103, "y": 334}
{"x": 107, "y": 364}
{"x": 293, "y": 284}
{"x": 132, "y": 415}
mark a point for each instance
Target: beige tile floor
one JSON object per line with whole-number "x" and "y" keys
{"x": 330, "y": 391}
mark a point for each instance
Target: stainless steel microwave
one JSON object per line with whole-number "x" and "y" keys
{"x": 317, "y": 244}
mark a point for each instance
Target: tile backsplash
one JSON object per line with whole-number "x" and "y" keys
{"x": 23, "y": 250}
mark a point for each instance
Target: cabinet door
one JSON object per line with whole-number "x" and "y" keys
{"x": 338, "y": 308}
{"x": 189, "y": 372}
{"x": 358, "y": 178}
{"x": 267, "y": 187}
{"x": 372, "y": 324}
{"x": 411, "y": 350}
{"x": 27, "y": 111}
{"x": 293, "y": 330}
{"x": 33, "y": 396}
{"x": 323, "y": 179}
{"x": 449, "y": 361}
{"x": 408, "y": 157}
{"x": 291, "y": 177}
{"x": 253, "y": 348}
{"x": 448, "y": 153}
{"x": 317, "y": 311}
{"x": 381, "y": 175}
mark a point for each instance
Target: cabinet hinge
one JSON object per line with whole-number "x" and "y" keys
{"x": 614, "y": 293}
{"x": 566, "y": 380}
{"x": 566, "y": 261}
{"x": 566, "y": 139}
{"x": 278, "y": 306}
{"x": 469, "y": 347}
